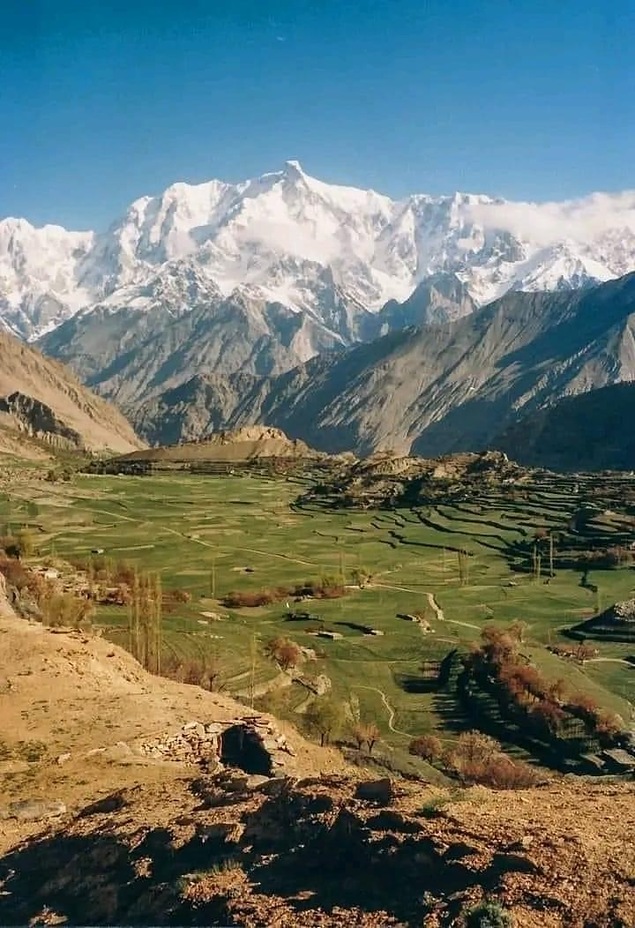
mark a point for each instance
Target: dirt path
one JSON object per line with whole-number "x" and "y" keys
{"x": 206, "y": 544}
{"x": 391, "y": 712}
{"x": 609, "y": 660}
{"x": 436, "y": 608}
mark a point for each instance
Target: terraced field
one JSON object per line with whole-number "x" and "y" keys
{"x": 219, "y": 534}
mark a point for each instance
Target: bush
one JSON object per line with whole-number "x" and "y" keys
{"x": 327, "y": 588}
{"x": 488, "y": 915}
{"x": 14, "y": 573}
{"x": 286, "y": 652}
{"x": 477, "y": 758}
{"x": 66, "y": 609}
{"x": 10, "y": 544}
{"x": 428, "y": 747}
{"x": 251, "y": 600}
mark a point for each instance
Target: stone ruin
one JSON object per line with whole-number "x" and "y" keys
{"x": 624, "y": 613}
{"x": 617, "y": 623}
{"x": 252, "y": 744}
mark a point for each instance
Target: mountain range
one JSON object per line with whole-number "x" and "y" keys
{"x": 428, "y": 390}
{"x": 335, "y": 255}
{"x": 346, "y": 318}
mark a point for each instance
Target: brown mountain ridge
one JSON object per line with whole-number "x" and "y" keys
{"x": 43, "y": 404}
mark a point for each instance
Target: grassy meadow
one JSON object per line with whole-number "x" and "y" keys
{"x": 213, "y": 535}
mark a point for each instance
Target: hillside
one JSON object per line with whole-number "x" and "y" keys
{"x": 586, "y": 432}
{"x": 95, "y": 831}
{"x": 104, "y": 707}
{"x": 40, "y": 399}
{"x": 433, "y": 390}
{"x": 250, "y": 443}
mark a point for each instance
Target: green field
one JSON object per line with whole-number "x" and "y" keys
{"x": 199, "y": 531}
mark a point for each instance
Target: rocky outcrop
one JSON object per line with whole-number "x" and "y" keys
{"x": 328, "y": 851}
{"x": 617, "y": 623}
{"x": 39, "y": 421}
{"x": 43, "y": 400}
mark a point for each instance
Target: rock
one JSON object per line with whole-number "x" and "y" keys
{"x": 220, "y": 831}
{"x": 393, "y": 821}
{"x": 379, "y": 791}
{"x": 276, "y": 786}
{"x": 118, "y": 751}
{"x": 461, "y": 849}
{"x": 514, "y": 863}
{"x": 108, "y": 804}
{"x": 256, "y": 780}
{"x": 234, "y": 782}
{"x": 522, "y": 844}
{"x": 62, "y": 759}
{"x": 34, "y": 810}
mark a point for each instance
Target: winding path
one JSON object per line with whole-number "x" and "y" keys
{"x": 436, "y": 608}
{"x": 391, "y": 711}
{"x": 609, "y": 660}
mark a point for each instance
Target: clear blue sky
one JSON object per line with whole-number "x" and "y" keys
{"x": 102, "y": 101}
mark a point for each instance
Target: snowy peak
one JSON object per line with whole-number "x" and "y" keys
{"x": 306, "y": 245}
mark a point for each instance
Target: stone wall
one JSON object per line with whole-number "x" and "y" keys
{"x": 207, "y": 743}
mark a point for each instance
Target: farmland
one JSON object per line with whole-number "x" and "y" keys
{"x": 209, "y": 536}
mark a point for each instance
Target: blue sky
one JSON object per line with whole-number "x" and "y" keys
{"x": 102, "y": 101}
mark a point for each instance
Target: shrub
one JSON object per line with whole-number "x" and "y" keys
{"x": 488, "y": 915}
{"x": 286, "y": 652}
{"x": 501, "y": 772}
{"x": 10, "y": 544}
{"x": 429, "y": 747}
{"x": 250, "y": 600}
{"x": 477, "y": 758}
{"x": 15, "y": 574}
{"x": 475, "y": 746}
{"x": 178, "y": 596}
{"x": 59, "y": 608}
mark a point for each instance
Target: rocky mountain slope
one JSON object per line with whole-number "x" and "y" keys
{"x": 329, "y": 252}
{"x": 129, "y": 357}
{"x": 591, "y": 431}
{"x": 431, "y": 391}
{"x": 40, "y": 399}
{"x": 101, "y": 824}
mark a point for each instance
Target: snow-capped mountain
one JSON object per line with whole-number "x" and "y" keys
{"x": 330, "y": 252}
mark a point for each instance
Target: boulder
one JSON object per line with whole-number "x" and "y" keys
{"x": 33, "y": 810}
{"x": 379, "y": 791}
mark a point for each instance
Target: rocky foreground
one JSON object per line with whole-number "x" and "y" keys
{"x": 229, "y": 849}
{"x": 119, "y": 804}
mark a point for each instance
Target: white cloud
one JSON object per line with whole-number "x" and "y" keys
{"x": 291, "y": 239}
{"x": 543, "y": 223}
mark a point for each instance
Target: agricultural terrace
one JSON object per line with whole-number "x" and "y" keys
{"x": 210, "y": 536}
